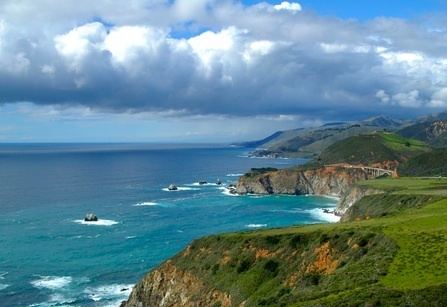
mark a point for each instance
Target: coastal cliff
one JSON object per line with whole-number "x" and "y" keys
{"x": 327, "y": 180}
{"x": 266, "y": 270}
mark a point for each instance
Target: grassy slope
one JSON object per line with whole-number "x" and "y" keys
{"x": 367, "y": 149}
{"x": 395, "y": 260}
{"x": 427, "y": 164}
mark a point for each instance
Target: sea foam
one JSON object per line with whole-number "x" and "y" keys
{"x": 226, "y": 191}
{"x": 145, "y": 204}
{"x": 181, "y": 189}
{"x": 115, "y": 292}
{"x": 51, "y": 282}
{"x": 234, "y": 175}
{"x": 197, "y": 184}
{"x": 319, "y": 214}
{"x": 256, "y": 225}
{"x": 100, "y": 222}
{"x": 3, "y": 286}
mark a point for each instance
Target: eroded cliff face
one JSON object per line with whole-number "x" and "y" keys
{"x": 267, "y": 269}
{"x": 330, "y": 180}
{"x": 352, "y": 195}
{"x": 170, "y": 286}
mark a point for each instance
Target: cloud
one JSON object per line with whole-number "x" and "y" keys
{"x": 219, "y": 58}
{"x": 288, "y": 6}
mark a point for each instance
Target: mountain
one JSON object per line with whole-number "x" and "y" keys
{"x": 433, "y": 163}
{"x": 312, "y": 141}
{"x": 372, "y": 148}
{"x": 432, "y": 131}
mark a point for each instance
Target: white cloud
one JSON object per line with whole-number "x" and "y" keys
{"x": 409, "y": 100}
{"x": 383, "y": 96}
{"x": 439, "y": 99}
{"x": 257, "y": 48}
{"x": 288, "y": 6}
{"x": 219, "y": 57}
{"x": 75, "y": 44}
{"x": 210, "y": 45}
{"x": 190, "y": 9}
{"x": 48, "y": 69}
{"x": 125, "y": 42}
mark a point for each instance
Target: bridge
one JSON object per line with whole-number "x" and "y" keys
{"x": 372, "y": 171}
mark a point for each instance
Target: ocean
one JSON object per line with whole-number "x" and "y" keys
{"x": 50, "y": 257}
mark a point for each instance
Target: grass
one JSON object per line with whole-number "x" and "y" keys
{"x": 409, "y": 185}
{"x": 371, "y": 148}
{"x": 393, "y": 260}
{"x": 400, "y": 143}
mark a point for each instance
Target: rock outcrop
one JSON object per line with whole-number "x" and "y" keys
{"x": 329, "y": 180}
{"x": 173, "y": 287}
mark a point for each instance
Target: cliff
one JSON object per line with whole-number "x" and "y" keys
{"x": 265, "y": 270}
{"x": 328, "y": 180}
{"x": 392, "y": 261}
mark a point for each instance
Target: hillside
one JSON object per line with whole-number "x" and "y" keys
{"x": 383, "y": 259}
{"x": 432, "y": 163}
{"x": 431, "y": 131}
{"x": 311, "y": 141}
{"x": 372, "y": 148}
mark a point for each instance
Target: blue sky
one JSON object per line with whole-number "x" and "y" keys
{"x": 213, "y": 70}
{"x": 367, "y": 9}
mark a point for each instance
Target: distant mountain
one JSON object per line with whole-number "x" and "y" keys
{"x": 383, "y": 122}
{"x": 432, "y": 131}
{"x": 373, "y": 148}
{"x": 312, "y": 141}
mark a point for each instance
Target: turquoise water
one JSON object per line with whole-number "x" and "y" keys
{"x": 48, "y": 257}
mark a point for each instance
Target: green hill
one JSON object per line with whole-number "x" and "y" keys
{"x": 371, "y": 148}
{"x": 431, "y": 131}
{"x": 391, "y": 257}
{"x": 432, "y": 163}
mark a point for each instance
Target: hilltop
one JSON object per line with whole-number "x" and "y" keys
{"x": 372, "y": 148}
{"x": 312, "y": 141}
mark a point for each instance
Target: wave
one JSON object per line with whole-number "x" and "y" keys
{"x": 226, "y": 191}
{"x": 197, "y": 184}
{"x": 234, "y": 175}
{"x": 97, "y": 223}
{"x": 115, "y": 292}
{"x": 320, "y": 215}
{"x": 256, "y": 225}
{"x": 3, "y": 286}
{"x": 130, "y": 237}
{"x": 181, "y": 189}
{"x": 146, "y": 203}
{"x": 51, "y": 282}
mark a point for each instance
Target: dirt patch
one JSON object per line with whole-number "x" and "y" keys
{"x": 324, "y": 262}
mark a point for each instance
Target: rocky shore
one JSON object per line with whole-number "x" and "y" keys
{"x": 328, "y": 180}
{"x": 168, "y": 285}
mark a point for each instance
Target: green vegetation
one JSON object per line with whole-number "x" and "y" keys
{"x": 371, "y": 148}
{"x": 409, "y": 185}
{"x": 396, "y": 257}
{"x": 259, "y": 171}
{"x": 432, "y": 163}
{"x": 432, "y": 131}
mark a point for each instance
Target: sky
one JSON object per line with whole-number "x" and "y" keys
{"x": 213, "y": 70}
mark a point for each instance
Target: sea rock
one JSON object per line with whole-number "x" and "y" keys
{"x": 172, "y": 187}
{"x": 90, "y": 217}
